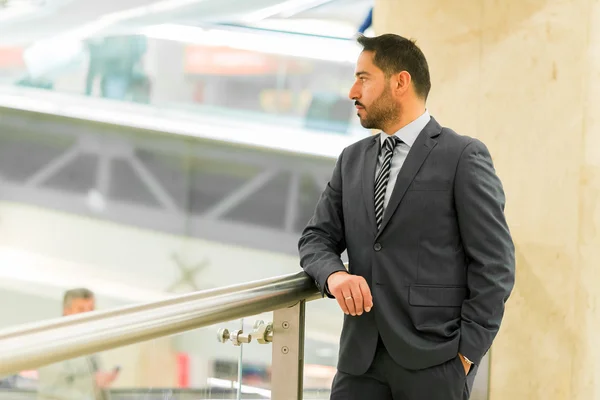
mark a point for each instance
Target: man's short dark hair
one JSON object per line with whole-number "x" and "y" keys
{"x": 394, "y": 54}
{"x": 79, "y": 293}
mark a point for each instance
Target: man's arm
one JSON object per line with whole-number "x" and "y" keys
{"x": 489, "y": 247}
{"x": 322, "y": 241}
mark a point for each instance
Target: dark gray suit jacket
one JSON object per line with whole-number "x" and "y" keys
{"x": 440, "y": 268}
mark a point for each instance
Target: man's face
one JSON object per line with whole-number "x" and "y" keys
{"x": 79, "y": 306}
{"x": 372, "y": 94}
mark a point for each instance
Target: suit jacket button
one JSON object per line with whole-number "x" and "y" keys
{"x": 377, "y": 247}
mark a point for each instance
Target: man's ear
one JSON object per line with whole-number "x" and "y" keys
{"x": 402, "y": 82}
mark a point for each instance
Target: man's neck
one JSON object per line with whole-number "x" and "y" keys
{"x": 408, "y": 115}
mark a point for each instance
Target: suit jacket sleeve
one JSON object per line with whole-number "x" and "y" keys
{"x": 322, "y": 241}
{"x": 489, "y": 248}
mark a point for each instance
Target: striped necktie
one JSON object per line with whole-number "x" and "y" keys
{"x": 383, "y": 177}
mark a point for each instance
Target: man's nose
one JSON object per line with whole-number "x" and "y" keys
{"x": 354, "y": 93}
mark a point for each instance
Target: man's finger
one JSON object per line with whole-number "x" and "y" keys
{"x": 349, "y": 300}
{"x": 358, "y": 297}
{"x": 342, "y": 303}
{"x": 367, "y": 297}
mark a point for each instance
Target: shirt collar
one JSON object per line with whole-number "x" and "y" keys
{"x": 408, "y": 134}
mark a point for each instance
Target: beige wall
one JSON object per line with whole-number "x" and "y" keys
{"x": 525, "y": 77}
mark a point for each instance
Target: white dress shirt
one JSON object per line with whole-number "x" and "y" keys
{"x": 408, "y": 134}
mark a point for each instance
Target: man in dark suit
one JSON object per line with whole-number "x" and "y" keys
{"x": 420, "y": 211}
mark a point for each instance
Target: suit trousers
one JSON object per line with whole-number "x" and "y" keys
{"x": 386, "y": 380}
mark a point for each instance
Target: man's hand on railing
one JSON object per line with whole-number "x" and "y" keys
{"x": 351, "y": 292}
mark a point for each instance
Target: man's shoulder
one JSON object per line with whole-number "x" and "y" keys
{"x": 450, "y": 139}
{"x": 461, "y": 147}
{"x": 450, "y": 136}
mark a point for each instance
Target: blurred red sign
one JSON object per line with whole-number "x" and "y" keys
{"x": 183, "y": 370}
{"x": 11, "y": 57}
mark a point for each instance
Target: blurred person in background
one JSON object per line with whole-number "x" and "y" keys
{"x": 94, "y": 69}
{"x": 118, "y": 63}
{"x": 431, "y": 262}
{"x": 79, "y": 378}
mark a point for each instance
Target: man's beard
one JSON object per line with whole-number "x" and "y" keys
{"x": 380, "y": 113}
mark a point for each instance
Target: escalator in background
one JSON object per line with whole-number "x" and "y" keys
{"x": 185, "y": 186}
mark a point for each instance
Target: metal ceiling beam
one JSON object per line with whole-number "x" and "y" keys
{"x": 162, "y": 211}
{"x": 237, "y": 197}
{"x": 54, "y": 166}
{"x": 153, "y": 185}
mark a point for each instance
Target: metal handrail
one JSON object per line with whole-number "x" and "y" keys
{"x": 34, "y": 345}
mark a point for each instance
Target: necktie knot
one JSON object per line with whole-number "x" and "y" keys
{"x": 390, "y": 143}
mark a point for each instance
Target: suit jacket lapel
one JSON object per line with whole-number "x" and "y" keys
{"x": 368, "y": 181}
{"x": 415, "y": 158}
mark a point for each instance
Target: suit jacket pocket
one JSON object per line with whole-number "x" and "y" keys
{"x": 436, "y": 295}
{"x": 430, "y": 185}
